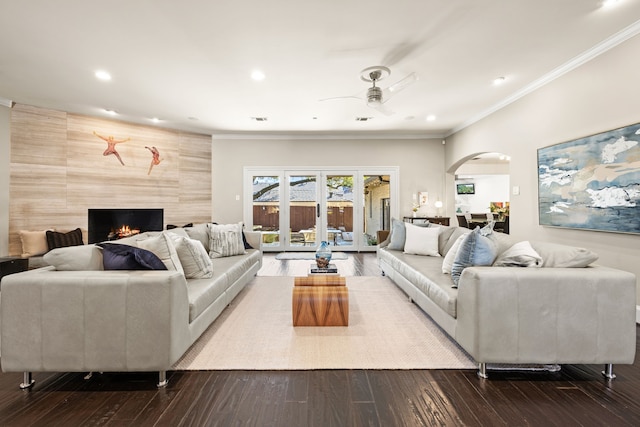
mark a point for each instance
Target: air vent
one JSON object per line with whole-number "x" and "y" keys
{"x": 363, "y": 119}
{"x": 259, "y": 119}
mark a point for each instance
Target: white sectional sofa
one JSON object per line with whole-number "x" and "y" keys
{"x": 561, "y": 313}
{"x": 76, "y": 317}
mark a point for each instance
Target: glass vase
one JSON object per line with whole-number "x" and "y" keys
{"x": 323, "y": 255}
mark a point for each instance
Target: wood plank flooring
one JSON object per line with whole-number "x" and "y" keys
{"x": 576, "y": 396}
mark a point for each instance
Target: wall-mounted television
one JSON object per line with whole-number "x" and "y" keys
{"x": 466, "y": 188}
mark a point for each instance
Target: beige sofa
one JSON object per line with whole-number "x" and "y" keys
{"x": 513, "y": 315}
{"x": 113, "y": 321}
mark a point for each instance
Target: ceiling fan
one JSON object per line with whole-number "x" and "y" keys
{"x": 375, "y": 96}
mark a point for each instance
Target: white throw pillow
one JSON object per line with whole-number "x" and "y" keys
{"x": 225, "y": 240}
{"x": 421, "y": 240}
{"x": 162, "y": 247}
{"x": 520, "y": 254}
{"x": 75, "y": 258}
{"x": 450, "y": 257}
{"x": 193, "y": 257}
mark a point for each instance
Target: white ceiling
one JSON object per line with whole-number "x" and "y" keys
{"x": 189, "y": 62}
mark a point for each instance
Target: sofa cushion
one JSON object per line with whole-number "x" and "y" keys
{"x": 520, "y": 254}
{"x": 116, "y": 256}
{"x": 193, "y": 257}
{"x": 477, "y": 248}
{"x": 204, "y": 292}
{"x": 199, "y": 232}
{"x": 162, "y": 246}
{"x": 421, "y": 240}
{"x": 425, "y": 273}
{"x": 225, "y": 240}
{"x": 448, "y": 236}
{"x": 75, "y": 258}
{"x": 177, "y": 231}
{"x": 563, "y": 256}
{"x": 62, "y": 240}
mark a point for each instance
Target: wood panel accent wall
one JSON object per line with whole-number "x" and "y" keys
{"x": 58, "y": 171}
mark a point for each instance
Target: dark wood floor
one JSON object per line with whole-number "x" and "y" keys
{"x": 577, "y": 395}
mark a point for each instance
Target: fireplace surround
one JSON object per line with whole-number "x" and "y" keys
{"x": 103, "y": 224}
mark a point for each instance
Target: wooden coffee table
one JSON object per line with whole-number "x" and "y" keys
{"x": 320, "y": 300}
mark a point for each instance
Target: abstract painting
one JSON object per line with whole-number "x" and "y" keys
{"x": 592, "y": 183}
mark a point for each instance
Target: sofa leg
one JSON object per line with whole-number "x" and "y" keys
{"x": 608, "y": 371}
{"x": 162, "y": 379}
{"x": 482, "y": 370}
{"x": 27, "y": 381}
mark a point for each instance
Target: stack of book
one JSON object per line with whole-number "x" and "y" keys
{"x": 330, "y": 269}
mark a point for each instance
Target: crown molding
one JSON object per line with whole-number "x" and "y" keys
{"x": 324, "y": 136}
{"x": 595, "y": 51}
{"x": 6, "y": 102}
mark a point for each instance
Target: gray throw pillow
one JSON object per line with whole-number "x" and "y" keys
{"x": 398, "y": 235}
{"x": 563, "y": 256}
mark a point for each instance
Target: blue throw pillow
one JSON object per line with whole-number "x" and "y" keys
{"x": 477, "y": 248}
{"x": 116, "y": 256}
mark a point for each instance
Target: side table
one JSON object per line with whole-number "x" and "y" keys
{"x": 10, "y": 265}
{"x": 320, "y": 301}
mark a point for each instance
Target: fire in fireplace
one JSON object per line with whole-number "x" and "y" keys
{"x": 121, "y": 232}
{"x": 113, "y": 224}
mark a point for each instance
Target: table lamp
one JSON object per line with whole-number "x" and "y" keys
{"x": 438, "y": 205}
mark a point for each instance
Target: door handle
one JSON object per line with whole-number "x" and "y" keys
{"x": 318, "y": 210}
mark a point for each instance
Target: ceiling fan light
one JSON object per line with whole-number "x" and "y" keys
{"x": 374, "y": 96}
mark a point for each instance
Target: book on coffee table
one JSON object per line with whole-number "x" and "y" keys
{"x": 330, "y": 269}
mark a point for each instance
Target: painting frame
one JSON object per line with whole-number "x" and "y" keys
{"x": 592, "y": 183}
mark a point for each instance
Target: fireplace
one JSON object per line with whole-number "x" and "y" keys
{"x": 113, "y": 224}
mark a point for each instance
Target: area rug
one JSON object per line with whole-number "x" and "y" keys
{"x": 308, "y": 255}
{"x": 385, "y": 331}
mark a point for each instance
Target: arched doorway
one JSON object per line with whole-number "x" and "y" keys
{"x": 481, "y": 186}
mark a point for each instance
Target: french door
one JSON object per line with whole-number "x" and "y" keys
{"x": 296, "y": 209}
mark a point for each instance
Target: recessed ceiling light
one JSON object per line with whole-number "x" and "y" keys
{"x": 156, "y": 120}
{"x": 431, "y": 117}
{"x": 257, "y": 75}
{"x": 607, "y": 4}
{"x": 498, "y": 81}
{"x": 103, "y": 75}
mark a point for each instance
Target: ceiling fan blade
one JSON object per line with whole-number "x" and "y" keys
{"x": 340, "y": 97}
{"x": 379, "y": 106}
{"x": 398, "y": 86}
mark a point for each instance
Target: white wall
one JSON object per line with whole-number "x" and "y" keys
{"x": 600, "y": 95}
{"x": 420, "y": 163}
{"x": 5, "y": 160}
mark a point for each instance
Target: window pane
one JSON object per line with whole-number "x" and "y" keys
{"x": 266, "y": 208}
{"x": 376, "y": 207}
